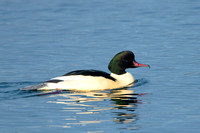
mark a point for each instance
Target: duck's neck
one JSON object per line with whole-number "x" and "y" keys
{"x": 123, "y": 80}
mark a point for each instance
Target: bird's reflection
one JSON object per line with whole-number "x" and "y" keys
{"x": 119, "y": 105}
{"x": 125, "y": 105}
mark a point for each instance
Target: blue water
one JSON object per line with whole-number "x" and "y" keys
{"x": 40, "y": 40}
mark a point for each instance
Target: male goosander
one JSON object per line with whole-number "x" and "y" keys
{"x": 91, "y": 80}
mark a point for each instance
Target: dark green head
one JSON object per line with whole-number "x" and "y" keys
{"x": 123, "y": 60}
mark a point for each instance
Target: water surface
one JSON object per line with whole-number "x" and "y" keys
{"x": 44, "y": 39}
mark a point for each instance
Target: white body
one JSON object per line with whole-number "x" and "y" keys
{"x": 87, "y": 83}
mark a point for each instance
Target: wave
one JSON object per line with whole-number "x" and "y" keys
{"x": 15, "y": 93}
{"x": 11, "y": 84}
{"x": 140, "y": 82}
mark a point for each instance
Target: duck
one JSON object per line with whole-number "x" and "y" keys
{"x": 93, "y": 80}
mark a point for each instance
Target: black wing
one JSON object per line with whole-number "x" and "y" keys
{"x": 90, "y": 73}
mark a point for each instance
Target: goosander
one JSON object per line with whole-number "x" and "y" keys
{"x": 91, "y": 80}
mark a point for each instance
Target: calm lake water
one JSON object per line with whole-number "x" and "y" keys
{"x": 40, "y": 40}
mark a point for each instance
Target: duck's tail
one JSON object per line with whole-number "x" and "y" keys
{"x": 41, "y": 86}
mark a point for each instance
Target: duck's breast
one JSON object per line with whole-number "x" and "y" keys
{"x": 124, "y": 80}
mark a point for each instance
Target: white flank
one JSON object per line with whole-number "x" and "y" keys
{"x": 86, "y": 83}
{"x": 82, "y": 83}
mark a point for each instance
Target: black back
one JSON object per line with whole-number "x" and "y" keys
{"x": 53, "y": 81}
{"x": 91, "y": 72}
